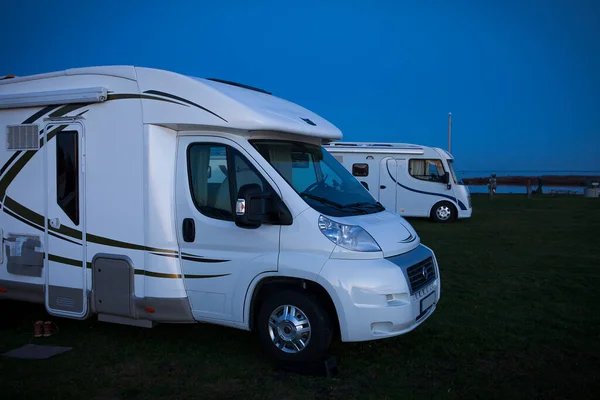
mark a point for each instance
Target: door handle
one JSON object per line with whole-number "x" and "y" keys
{"x": 189, "y": 230}
{"x": 382, "y": 187}
{"x": 55, "y": 223}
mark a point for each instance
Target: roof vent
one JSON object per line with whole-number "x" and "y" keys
{"x": 22, "y": 137}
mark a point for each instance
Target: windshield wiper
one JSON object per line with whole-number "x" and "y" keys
{"x": 377, "y": 205}
{"x": 322, "y": 200}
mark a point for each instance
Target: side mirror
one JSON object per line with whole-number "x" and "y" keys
{"x": 255, "y": 207}
{"x": 447, "y": 180}
{"x": 249, "y": 206}
{"x": 446, "y": 177}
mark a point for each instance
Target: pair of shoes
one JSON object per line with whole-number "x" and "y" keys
{"x": 47, "y": 328}
{"x": 38, "y": 328}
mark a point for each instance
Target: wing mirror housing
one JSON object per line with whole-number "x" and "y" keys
{"x": 447, "y": 180}
{"x": 255, "y": 207}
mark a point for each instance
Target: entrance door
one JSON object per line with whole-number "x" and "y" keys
{"x": 219, "y": 259}
{"x": 387, "y": 183}
{"x": 65, "y": 256}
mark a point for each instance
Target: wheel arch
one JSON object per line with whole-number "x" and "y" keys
{"x": 438, "y": 202}
{"x": 259, "y": 291}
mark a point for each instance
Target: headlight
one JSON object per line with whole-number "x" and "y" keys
{"x": 351, "y": 237}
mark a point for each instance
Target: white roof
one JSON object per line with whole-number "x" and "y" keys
{"x": 375, "y": 147}
{"x": 209, "y": 103}
{"x": 382, "y": 148}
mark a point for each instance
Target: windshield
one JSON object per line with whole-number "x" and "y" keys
{"x": 318, "y": 178}
{"x": 454, "y": 176}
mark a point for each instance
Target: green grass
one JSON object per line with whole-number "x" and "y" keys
{"x": 518, "y": 318}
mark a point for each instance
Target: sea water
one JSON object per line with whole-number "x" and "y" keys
{"x": 523, "y": 189}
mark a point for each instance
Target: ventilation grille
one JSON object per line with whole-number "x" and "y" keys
{"x": 421, "y": 274}
{"x": 22, "y": 137}
{"x": 65, "y": 302}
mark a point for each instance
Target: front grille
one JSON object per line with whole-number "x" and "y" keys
{"x": 421, "y": 274}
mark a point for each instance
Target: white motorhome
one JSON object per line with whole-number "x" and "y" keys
{"x": 411, "y": 180}
{"x": 143, "y": 196}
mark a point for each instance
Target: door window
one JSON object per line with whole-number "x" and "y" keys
{"x": 216, "y": 173}
{"x": 67, "y": 174}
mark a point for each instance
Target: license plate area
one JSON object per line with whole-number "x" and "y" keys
{"x": 427, "y": 302}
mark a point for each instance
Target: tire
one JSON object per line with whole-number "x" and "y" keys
{"x": 443, "y": 212}
{"x": 317, "y": 339}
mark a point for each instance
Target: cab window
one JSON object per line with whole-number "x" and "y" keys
{"x": 216, "y": 174}
{"x": 427, "y": 170}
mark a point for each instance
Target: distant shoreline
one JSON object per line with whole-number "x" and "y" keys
{"x": 580, "y": 181}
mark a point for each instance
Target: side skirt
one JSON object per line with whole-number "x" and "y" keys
{"x": 21, "y": 291}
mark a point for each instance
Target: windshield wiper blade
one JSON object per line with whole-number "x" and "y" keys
{"x": 365, "y": 203}
{"x": 322, "y": 200}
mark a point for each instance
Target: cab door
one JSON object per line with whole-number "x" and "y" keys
{"x": 65, "y": 258}
{"x": 219, "y": 259}
{"x": 387, "y": 183}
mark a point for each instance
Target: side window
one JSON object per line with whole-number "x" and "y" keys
{"x": 360, "y": 169}
{"x": 67, "y": 174}
{"x": 217, "y": 172}
{"x": 426, "y": 170}
{"x": 209, "y": 181}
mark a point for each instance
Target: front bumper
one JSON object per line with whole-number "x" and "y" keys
{"x": 465, "y": 213}
{"x": 375, "y": 299}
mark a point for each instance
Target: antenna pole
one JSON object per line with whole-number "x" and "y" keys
{"x": 449, "y": 132}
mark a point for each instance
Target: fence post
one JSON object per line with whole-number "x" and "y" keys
{"x": 529, "y": 188}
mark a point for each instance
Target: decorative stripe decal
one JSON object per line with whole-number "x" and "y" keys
{"x": 202, "y": 259}
{"x": 36, "y": 218}
{"x": 204, "y": 276}
{"x": 76, "y": 263}
{"x": 166, "y": 255}
{"x": 67, "y": 261}
{"x": 191, "y": 257}
{"x": 40, "y": 114}
{"x": 156, "y": 274}
{"x": 39, "y": 228}
{"x": 10, "y": 160}
{"x": 409, "y": 239}
{"x": 124, "y": 96}
{"x": 460, "y": 203}
{"x": 172, "y": 96}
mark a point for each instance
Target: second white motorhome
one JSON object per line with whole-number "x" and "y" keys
{"x": 144, "y": 196}
{"x": 411, "y": 180}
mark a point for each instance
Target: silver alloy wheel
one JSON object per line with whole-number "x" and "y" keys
{"x": 289, "y": 329}
{"x": 443, "y": 212}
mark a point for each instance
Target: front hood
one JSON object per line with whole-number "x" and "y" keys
{"x": 392, "y": 232}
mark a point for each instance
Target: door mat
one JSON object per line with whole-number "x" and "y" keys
{"x": 36, "y": 352}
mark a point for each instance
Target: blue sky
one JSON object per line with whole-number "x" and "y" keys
{"x": 520, "y": 77}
